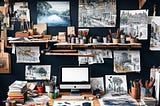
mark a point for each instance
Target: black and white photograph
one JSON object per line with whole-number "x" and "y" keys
{"x": 116, "y": 83}
{"x": 97, "y": 13}
{"x": 54, "y": 13}
{"x": 126, "y": 61}
{"x": 37, "y": 72}
{"x": 134, "y": 23}
{"x": 155, "y": 33}
{"x": 97, "y": 83}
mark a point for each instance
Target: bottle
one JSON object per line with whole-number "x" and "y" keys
{"x": 56, "y": 92}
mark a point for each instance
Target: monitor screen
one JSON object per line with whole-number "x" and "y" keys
{"x": 75, "y": 77}
{"x": 75, "y": 74}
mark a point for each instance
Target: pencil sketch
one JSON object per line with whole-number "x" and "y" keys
{"x": 21, "y": 10}
{"x": 116, "y": 83}
{"x": 27, "y": 54}
{"x": 97, "y": 83}
{"x": 97, "y": 13}
{"x": 134, "y": 23}
{"x": 126, "y": 61}
{"x": 98, "y": 56}
{"x": 155, "y": 33}
{"x": 37, "y": 72}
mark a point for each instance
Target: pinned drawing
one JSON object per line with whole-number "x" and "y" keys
{"x": 37, "y": 72}
{"x": 97, "y": 83}
{"x": 21, "y": 11}
{"x": 27, "y": 54}
{"x": 134, "y": 23}
{"x": 126, "y": 61}
{"x": 116, "y": 83}
{"x": 155, "y": 33}
{"x": 97, "y": 13}
{"x": 98, "y": 56}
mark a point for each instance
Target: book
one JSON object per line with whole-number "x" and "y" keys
{"x": 18, "y": 84}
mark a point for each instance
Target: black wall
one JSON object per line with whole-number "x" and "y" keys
{"x": 148, "y": 58}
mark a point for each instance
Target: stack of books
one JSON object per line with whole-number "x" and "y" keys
{"x": 18, "y": 91}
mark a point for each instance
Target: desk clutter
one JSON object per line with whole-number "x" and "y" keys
{"x": 73, "y": 103}
{"x": 115, "y": 92}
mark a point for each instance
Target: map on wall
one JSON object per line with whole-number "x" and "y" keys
{"x": 37, "y": 72}
{"x": 126, "y": 61}
{"x": 155, "y": 33}
{"x": 27, "y": 54}
{"x": 54, "y": 13}
{"x": 97, "y": 13}
{"x": 134, "y": 23}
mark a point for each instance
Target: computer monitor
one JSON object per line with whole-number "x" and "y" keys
{"x": 75, "y": 78}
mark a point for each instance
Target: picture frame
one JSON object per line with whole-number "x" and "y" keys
{"x": 56, "y": 14}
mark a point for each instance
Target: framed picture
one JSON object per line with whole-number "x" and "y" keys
{"x": 37, "y": 72}
{"x": 116, "y": 83}
{"x": 97, "y": 13}
{"x": 54, "y": 13}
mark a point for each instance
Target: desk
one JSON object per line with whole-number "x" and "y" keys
{"x": 86, "y": 94}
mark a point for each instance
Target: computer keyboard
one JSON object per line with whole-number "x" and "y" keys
{"x": 72, "y": 97}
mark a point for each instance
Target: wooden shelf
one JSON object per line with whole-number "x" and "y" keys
{"x": 31, "y": 41}
{"x": 99, "y": 46}
{"x": 69, "y": 54}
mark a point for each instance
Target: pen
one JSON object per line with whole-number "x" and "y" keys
{"x": 140, "y": 83}
{"x": 146, "y": 84}
{"x": 151, "y": 83}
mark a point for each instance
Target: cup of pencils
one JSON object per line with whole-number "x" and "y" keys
{"x": 135, "y": 89}
{"x": 147, "y": 89}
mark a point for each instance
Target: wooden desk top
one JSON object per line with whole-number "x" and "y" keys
{"x": 86, "y": 94}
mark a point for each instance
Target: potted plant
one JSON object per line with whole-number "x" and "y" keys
{"x": 40, "y": 88}
{"x": 48, "y": 86}
{"x": 132, "y": 38}
{"x": 116, "y": 36}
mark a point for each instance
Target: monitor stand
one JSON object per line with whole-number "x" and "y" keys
{"x": 75, "y": 92}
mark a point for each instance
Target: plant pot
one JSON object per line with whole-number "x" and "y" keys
{"x": 135, "y": 92}
{"x": 40, "y": 89}
{"x": 132, "y": 40}
{"x": 115, "y": 40}
{"x": 47, "y": 89}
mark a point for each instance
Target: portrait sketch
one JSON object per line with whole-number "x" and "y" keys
{"x": 116, "y": 83}
{"x": 37, "y": 72}
{"x": 97, "y": 13}
{"x": 155, "y": 33}
{"x": 54, "y": 13}
{"x": 134, "y": 23}
{"x": 126, "y": 61}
